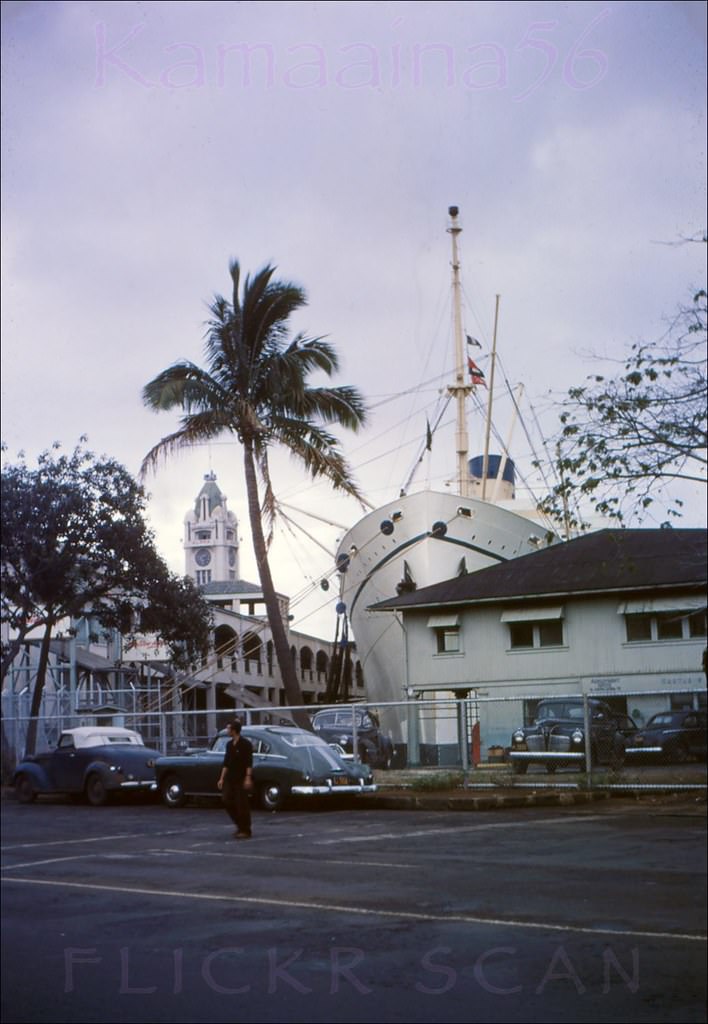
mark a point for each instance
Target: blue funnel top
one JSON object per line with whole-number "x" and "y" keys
{"x": 476, "y": 467}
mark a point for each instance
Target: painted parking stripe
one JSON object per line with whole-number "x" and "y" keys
{"x": 290, "y": 859}
{"x": 334, "y": 908}
{"x": 443, "y": 831}
{"x": 50, "y": 860}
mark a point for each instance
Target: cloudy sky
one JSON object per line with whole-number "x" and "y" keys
{"x": 147, "y": 144}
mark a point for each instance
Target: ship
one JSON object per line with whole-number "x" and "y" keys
{"x": 428, "y": 536}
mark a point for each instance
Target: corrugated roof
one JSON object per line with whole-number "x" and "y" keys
{"x": 609, "y": 560}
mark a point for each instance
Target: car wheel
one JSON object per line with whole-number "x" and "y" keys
{"x": 272, "y": 796}
{"x": 172, "y": 791}
{"x": 519, "y": 767}
{"x": 24, "y": 788}
{"x": 96, "y": 792}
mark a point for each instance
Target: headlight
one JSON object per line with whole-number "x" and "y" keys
{"x": 577, "y": 736}
{"x": 518, "y": 736}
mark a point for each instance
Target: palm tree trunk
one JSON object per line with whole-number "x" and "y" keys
{"x": 281, "y": 646}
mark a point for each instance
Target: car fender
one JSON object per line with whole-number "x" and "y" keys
{"x": 37, "y": 773}
{"x": 100, "y": 768}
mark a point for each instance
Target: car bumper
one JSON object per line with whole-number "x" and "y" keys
{"x": 634, "y": 751}
{"x": 546, "y": 755}
{"x": 329, "y": 790}
{"x": 129, "y": 786}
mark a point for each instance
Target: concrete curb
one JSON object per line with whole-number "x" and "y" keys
{"x": 463, "y": 801}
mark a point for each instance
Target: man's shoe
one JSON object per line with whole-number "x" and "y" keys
{"x": 242, "y": 835}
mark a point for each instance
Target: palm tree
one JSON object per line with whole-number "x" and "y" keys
{"x": 255, "y": 387}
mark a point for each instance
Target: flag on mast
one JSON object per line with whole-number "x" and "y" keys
{"x": 473, "y": 341}
{"x": 476, "y": 374}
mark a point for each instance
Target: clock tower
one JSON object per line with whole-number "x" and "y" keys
{"x": 211, "y": 537}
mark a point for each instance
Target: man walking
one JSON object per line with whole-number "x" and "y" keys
{"x": 236, "y": 780}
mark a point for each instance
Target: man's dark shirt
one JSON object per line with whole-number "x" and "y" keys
{"x": 237, "y": 758}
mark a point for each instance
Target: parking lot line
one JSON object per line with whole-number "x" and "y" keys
{"x": 290, "y": 859}
{"x": 335, "y": 908}
{"x": 448, "y": 830}
{"x": 50, "y": 860}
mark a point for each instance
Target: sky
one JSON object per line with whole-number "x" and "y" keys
{"x": 145, "y": 145}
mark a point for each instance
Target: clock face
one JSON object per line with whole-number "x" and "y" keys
{"x": 232, "y": 557}
{"x": 202, "y": 557}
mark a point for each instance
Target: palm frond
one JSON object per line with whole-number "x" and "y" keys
{"x": 318, "y": 452}
{"x": 184, "y": 385}
{"x": 193, "y": 429}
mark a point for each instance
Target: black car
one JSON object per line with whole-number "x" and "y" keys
{"x": 557, "y": 736}
{"x": 336, "y": 725}
{"x": 94, "y": 761}
{"x": 677, "y": 736}
{"x": 286, "y": 762}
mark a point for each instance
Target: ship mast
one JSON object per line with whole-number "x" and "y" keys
{"x": 460, "y": 389}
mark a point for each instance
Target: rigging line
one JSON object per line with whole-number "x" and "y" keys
{"x": 295, "y": 490}
{"x": 292, "y": 523}
{"x": 425, "y": 446}
{"x": 313, "y": 515}
{"x": 409, "y": 391}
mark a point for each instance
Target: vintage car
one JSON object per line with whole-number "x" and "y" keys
{"x": 557, "y": 736}
{"x": 93, "y": 761}
{"x": 677, "y": 736}
{"x": 336, "y": 725}
{"x": 286, "y": 762}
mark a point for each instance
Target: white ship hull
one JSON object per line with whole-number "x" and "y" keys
{"x": 482, "y": 534}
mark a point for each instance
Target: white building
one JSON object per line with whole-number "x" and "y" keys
{"x": 618, "y": 613}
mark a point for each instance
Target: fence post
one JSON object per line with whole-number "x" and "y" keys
{"x": 588, "y": 739}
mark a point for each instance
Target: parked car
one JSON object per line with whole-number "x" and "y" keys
{"x": 286, "y": 762}
{"x": 677, "y": 736}
{"x": 557, "y": 736}
{"x": 93, "y": 761}
{"x": 336, "y": 725}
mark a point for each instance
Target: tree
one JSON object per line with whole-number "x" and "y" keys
{"x": 622, "y": 440}
{"x": 75, "y": 543}
{"x": 255, "y": 387}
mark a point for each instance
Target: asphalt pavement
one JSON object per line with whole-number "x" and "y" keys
{"x": 344, "y": 913}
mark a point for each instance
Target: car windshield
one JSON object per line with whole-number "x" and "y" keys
{"x": 665, "y": 719}
{"x": 560, "y": 710}
{"x": 342, "y": 720}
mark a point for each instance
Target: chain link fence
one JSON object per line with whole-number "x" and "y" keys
{"x": 487, "y": 741}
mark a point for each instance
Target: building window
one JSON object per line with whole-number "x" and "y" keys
{"x": 203, "y": 576}
{"x": 203, "y": 534}
{"x": 521, "y": 634}
{"x": 668, "y": 626}
{"x": 531, "y": 628}
{"x": 535, "y": 634}
{"x": 448, "y": 640}
{"x": 638, "y": 627}
{"x": 665, "y": 625}
{"x": 697, "y": 624}
{"x": 446, "y": 629}
{"x": 550, "y": 634}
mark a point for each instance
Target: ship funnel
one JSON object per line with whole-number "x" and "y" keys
{"x": 503, "y": 489}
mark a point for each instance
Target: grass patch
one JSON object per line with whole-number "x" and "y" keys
{"x": 438, "y": 781}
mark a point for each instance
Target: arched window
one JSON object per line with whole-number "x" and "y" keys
{"x": 321, "y": 665}
{"x": 306, "y": 662}
{"x": 226, "y": 647}
{"x": 252, "y": 652}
